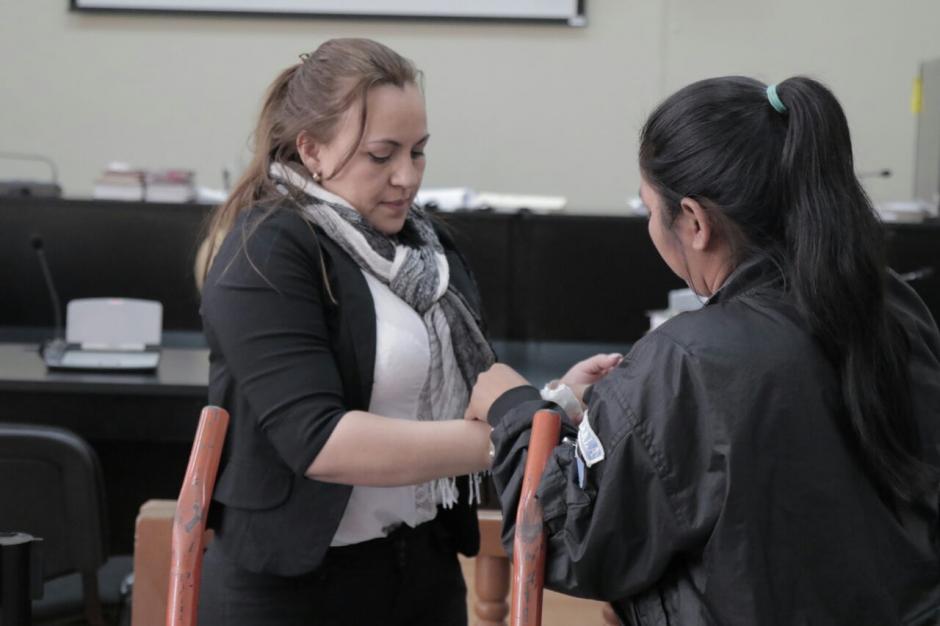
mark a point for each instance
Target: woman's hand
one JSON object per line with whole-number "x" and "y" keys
{"x": 490, "y": 385}
{"x": 591, "y": 369}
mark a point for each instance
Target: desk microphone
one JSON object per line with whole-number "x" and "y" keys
{"x": 54, "y": 347}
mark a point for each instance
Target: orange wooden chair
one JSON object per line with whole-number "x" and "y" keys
{"x": 529, "y": 543}
{"x": 189, "y": 523}
{"x": 528, "y": 564}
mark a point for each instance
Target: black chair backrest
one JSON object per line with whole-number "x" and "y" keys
{"x": 51, "y": 486}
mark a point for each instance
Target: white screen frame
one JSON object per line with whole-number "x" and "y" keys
{"x": 570, "y": 12}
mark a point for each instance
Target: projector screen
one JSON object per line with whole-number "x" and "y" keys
{"x": 570, "y": 12}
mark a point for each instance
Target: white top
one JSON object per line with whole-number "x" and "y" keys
{"x": 402, "y": 357}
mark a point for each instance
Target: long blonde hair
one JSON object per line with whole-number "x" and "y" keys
{"x": 311, "y": 96}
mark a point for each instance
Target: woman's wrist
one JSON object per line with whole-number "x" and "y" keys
{"x": 483, "y": 450}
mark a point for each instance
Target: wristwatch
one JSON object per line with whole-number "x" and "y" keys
{"x": 562, "y": 395}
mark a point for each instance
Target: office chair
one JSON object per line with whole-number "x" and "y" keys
{"x": 51, "y": 487}
{"x": 189, "y": 523}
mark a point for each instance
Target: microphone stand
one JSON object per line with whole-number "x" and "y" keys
{"x": 52, "y": 349}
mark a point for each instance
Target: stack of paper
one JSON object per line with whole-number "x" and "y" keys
{"x": 170, "y": 186}
{"x": 119, "y": 181}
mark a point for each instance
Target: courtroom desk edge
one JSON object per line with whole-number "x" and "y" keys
{"x": 182, "y": 372}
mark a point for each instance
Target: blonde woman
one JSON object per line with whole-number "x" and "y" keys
{"x": 345, "y": 336}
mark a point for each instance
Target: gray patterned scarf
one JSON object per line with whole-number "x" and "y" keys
{"x": 421, "y": 277}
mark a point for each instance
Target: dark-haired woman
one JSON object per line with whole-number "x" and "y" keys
{"x": 770, "y": 458}
{"x": 345, "y": 336}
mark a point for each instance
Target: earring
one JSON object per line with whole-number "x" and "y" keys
{"x": 317, "y": 176}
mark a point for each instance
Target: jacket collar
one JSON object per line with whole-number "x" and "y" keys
{"x": 757, "y": 271}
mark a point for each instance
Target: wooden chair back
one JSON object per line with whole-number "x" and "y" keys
{"x": 189, "y": 523}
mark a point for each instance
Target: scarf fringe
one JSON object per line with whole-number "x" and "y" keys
{"x": 475, "y": 493}
{"x": 448, "y": 494}
{"x": 447, "y": 491}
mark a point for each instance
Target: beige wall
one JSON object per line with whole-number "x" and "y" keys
{"x": 513, "y": 108}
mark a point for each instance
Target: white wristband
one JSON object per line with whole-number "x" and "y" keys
{"x": 562, "y": 395}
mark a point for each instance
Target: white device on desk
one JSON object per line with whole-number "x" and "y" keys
{"x": 120, "y": 334}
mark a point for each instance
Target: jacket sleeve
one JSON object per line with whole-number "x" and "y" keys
{"x": 655, "y": 494}
{"x": 263, "y": 312}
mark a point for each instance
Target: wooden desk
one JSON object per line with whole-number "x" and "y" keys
{"x": 141, "y": 426}
{"x": 182, "y": 372}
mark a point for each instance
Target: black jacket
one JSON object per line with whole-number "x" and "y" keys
{"x": 288, "y": 357}
{"x": 729, "y": 493}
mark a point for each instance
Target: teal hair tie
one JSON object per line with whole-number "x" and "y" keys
{"x": 775, "y": 100}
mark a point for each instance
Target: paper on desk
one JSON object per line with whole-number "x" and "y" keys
{"x": 903, "y": 211}
{"x": 515, "y": 202}
{"x": 454, "y": 198}
{"x": 446, "y": 199}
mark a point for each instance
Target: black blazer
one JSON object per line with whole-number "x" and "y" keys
{"x": 290, "y": 323}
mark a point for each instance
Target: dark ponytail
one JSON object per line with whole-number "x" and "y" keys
{"x": 784, "y": 182}
{"x": 837, "y": 274}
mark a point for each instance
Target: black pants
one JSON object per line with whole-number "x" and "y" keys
{"x": 412, "y": 577}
